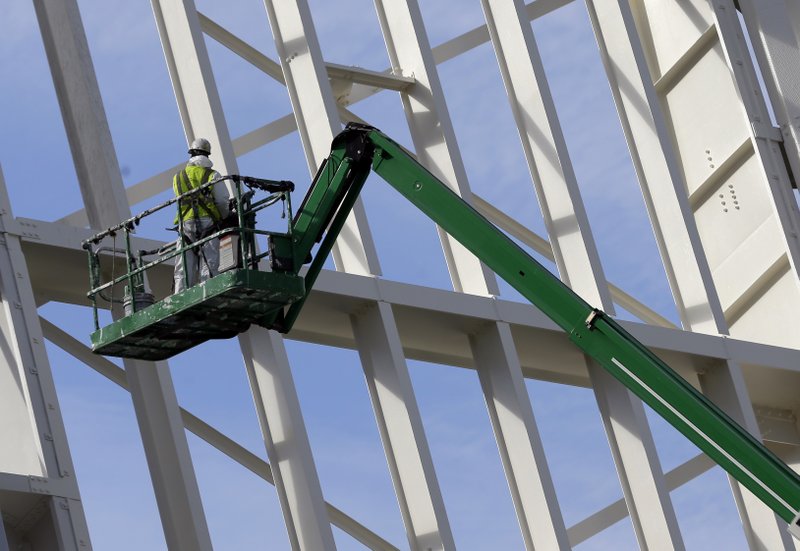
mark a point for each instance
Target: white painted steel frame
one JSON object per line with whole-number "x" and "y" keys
{"x": 514, "y": 426}
{"x": 773, "y": 170}
{"x": 32, "y": 422}
{"x": 266, "y": 134}
{"x": 375, "y": 329}
{"x": 388, "y": 381}
{"x": 663, "y": 186}
{"x": 579, "y": 265}
{"x": 208, "y": 433}
{"x": 350, "y": 295}
{"x": 777, "y": 46}
{"x": 518, "y": 439}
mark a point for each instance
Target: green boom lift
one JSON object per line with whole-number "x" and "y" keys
{"x": 272, "y": 297}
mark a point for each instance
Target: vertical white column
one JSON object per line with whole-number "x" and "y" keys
{"x": 22, "y": 453}
{"x": 495, "y": 357}
{"x": 656, "y": 165}
{"x": 639, "y": 469}
{"x": 786, "y": 86}
{"x": 545, "y": 150}
{"x": 791, "y": 456}
{"x": 103, "y": 192}
{"x": 168, "y": 457}
{"x": 664, "y": 191}
{"x": 578, "y": 262}
{"x": 267, "y": 364}
{"x": 401, "y": 430}
{"x": 724, "y": 384}
{"x": 769, "y": 24}
{"x": 82, "y": 111}
{"x": 518, "y": 440}
{"x": 317, "y": 117}
{"x": 396, "y": 412}
{"x": 35, "y": 416}
{"x": 431, "y": 128}
{"x": 286, "y": 441}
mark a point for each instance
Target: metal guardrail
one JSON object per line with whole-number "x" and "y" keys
{"x": 241, "y": 222}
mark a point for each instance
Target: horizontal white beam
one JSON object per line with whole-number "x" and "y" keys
{"x": 367, "y": 77}
{"x": 434, "y": 323}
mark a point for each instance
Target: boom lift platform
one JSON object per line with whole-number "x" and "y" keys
{"x": 272, "y": 298}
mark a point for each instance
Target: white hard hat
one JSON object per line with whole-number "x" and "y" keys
{"x": 200, "y": 146}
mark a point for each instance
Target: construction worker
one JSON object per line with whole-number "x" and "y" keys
{"x": 198, "y": 216}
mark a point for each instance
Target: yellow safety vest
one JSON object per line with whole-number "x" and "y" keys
{"x": 199, "y": 205}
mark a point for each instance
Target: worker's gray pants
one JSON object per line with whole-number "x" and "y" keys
{"x": 201, "y": 260}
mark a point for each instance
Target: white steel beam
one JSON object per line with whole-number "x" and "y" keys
{"x": 434, "y": 140}
{"x": 665, "y": 195}
{"x": 104, "y": 198}
{"x": 430, "y": 318}
{"x": 373, "y": 79}
{"x": 546, "y": 151}
{"x": 265, "y": 359}
{"x": 480, "y": 35}
{"x": 357, "y": 75}
{"x": 638, "y": 467}
{"x": 286, "y": 440}
{"x": 36, "y": 443}
{"x": 318, "y": 119}
{"x": 724, "y": 384}
{"x": 241, "y": 48}
{"x": 777, "y": 47}
{"x": 401, "y": 429}
{"x": 168, "y": 457}
{"x": 435, "y": 144}
{"x": 82, "y": 109}
{"x": 431, "y": 129}
{"x": 518, "y": 440}
{"x": 192, "y": 79}
{"x": 656, "y": 166}
{"x": 397, "y": 416}
{"x": 398, "y": 420}
{"x": 578, "y": 262}
{"x": 775, "y": 178}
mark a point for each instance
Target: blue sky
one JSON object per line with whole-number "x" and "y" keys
{"x": 242, "y": 511}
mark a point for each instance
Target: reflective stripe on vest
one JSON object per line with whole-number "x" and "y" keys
{"x": 199, "y": 205}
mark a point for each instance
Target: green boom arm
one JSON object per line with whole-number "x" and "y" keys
{"x": 329, "y": 201}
